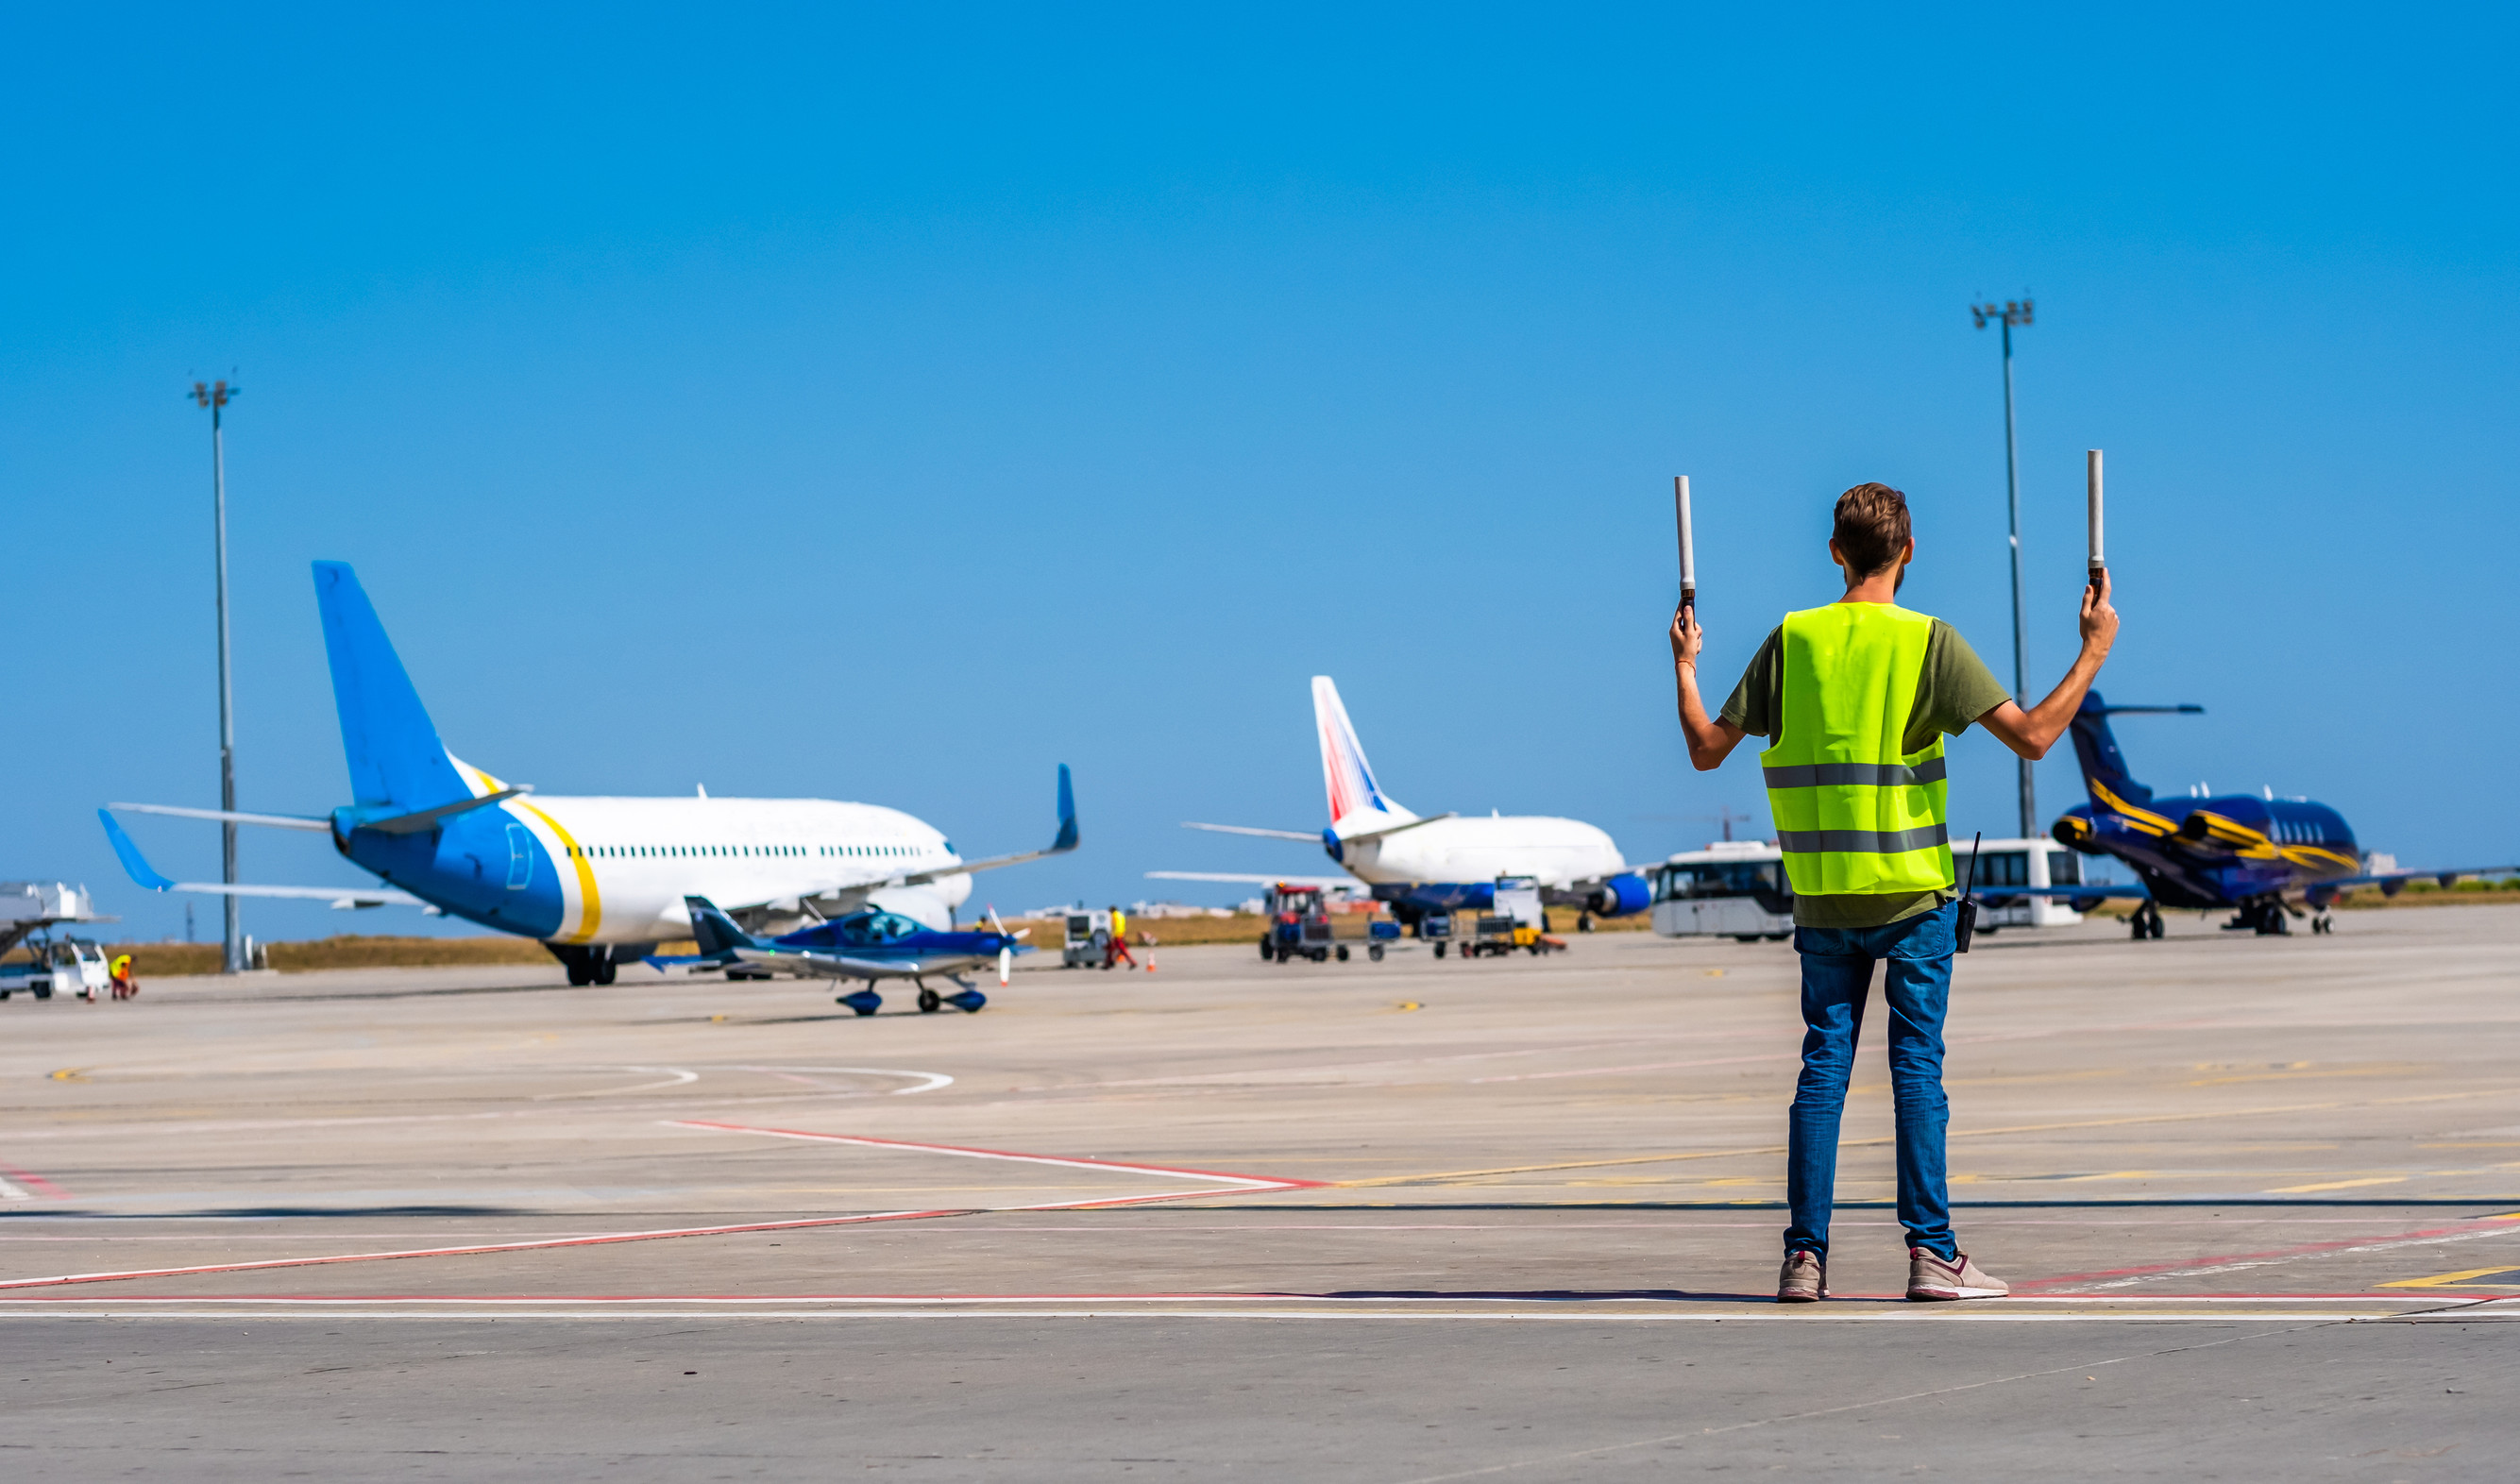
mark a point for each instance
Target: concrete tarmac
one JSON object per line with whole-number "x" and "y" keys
{"x": 1420, "y": 1219}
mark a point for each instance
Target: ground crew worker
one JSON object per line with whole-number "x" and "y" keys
{"x": 1116, "y": 952}
{"x": 123, "y": 987}
{"x": 1854, "y": 700}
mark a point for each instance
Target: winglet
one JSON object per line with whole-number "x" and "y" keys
{"x": 713, "y": 931}
{"x": 132, "y": 860}
{"x": 1068, "y": 833}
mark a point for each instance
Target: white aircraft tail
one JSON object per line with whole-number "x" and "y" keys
{"x": 1356, "y": 801}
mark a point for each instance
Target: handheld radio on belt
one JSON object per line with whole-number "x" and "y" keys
{"x": 1968, "y": 917}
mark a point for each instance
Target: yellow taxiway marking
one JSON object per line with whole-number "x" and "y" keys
{"x": 72, "y": 1074}
{"x": 2338, "y": 1184}
{"x": 2447, "y": 1279}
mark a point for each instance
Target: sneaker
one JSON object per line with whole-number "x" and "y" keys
{"x": 1930, "y": 1279}
{"x": 1804, "y": 1278}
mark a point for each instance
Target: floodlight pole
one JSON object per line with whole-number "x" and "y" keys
{"x": 215, "y": 398}
{"x": 2007, "y": 314}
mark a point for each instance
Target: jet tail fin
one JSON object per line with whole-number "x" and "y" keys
{"x": 1353, "y": 792}
{"x": 2095, "y": 747}
{"x": 715, "y": 931}
{"x": 395, "y": 757}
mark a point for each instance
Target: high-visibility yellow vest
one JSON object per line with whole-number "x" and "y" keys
{"x": 1854, "y": 814}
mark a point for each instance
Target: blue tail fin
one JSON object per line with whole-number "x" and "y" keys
{"x": 713, "y": 931}
{"x": 2095, "y": 747}
{"x": 395, "y": 754}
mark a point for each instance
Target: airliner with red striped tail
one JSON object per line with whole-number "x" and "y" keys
{"x": 1420, "y": 864}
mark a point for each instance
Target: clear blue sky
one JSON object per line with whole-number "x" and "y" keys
{"x": 892, "y": 403}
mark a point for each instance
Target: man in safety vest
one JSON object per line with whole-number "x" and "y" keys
{"x": 1855, "y": 699}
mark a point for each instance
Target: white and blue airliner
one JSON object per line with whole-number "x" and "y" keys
{"x": 598, "y": 881}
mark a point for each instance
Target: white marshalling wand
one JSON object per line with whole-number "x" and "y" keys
{"x": 1687, "y": 549}
{"x": 2100, "y": 561}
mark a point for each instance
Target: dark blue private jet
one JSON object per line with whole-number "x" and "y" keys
{"x": 2250, "y": 854}
{"x": 870, "y": 945}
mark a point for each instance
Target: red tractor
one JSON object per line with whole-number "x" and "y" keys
{"x": 1299, "y": 925}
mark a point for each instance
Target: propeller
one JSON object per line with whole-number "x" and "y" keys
{"x": 1006, "y": 950}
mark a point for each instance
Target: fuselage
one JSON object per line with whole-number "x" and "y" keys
{"x": 2219, "y": 851}
{"x": 594, "y": 870}
{"x": 1556, "y": 852}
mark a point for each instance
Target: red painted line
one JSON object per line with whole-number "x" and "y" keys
{"x": 605, "y": 1240}
{"x": 1264, "y": 1182}
{"x": 2303, "y": 1250}
{"x": 1245, "y": 1184}
{"x": 2399, "y": 1296}
{"x": 35, "y": 1184}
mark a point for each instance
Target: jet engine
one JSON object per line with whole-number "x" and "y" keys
{"x": 1618, "y": 896}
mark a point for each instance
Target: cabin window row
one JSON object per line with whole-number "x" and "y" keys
{"x": 615, "y": 852}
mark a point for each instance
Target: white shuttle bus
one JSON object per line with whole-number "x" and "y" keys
{"x": 1737, "y": 889}
{"x": 1730, "y": 889}
{"x": 2019, "y": 863}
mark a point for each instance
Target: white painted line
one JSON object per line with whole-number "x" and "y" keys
{"x": 676, "y": 1077}
{"x": 929, "y": 1082}
{"x": 1938, "y": 1313}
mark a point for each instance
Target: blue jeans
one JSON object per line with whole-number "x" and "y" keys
{"x": 1837, "y": 976}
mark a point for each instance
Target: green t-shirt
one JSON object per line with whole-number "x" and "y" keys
{"x": 1954, "y": 689}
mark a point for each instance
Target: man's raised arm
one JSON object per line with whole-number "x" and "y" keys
{"x": 1710, "y": 739}
{"x": 2033, "y": 731}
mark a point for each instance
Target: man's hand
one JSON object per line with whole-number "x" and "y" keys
{"x": 1687, "y": 639}
{"x": 1709, "y": 740}
{"x": 2099, "y": 620}
{"x": 2033, "y": 731}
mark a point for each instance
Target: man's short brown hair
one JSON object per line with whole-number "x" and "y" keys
{"x": 1872, "y": 528}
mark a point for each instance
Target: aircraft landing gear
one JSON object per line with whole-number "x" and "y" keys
{"x": 2264, "y": 916}
{"x": 2323, "y": 924}
{"x": 2146, "y": 922}
{"x": 585, "y": 965}
{"x": 1439, "y": 949}
{"x": 929, "y": 1001}
{"x": 1582, "y": 921}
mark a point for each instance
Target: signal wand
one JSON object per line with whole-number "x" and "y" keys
{"x": 1687, "y": 549}
{"x": 2099, "y": 563}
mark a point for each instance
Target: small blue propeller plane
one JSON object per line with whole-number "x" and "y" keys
{"x": 868, "y": 945}
{"x": 2239, "y": 851}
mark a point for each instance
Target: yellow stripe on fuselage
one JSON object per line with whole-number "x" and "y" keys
{"x": 590, "y": 902}
{"x": 2140, "y": 818}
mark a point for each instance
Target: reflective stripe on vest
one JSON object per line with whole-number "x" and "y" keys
{"x": 1854, "y": 814}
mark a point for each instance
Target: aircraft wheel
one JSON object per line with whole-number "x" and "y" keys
{"x": 1268, "y": 950}
{"x": 577, "y": 976}
{"x": 43, "y": 991}
{"x": 4, "y": 994}
{"x": 605, "y": 971}
{"x": 1582, "y": 921}
{"x": 1375, "y": 952}
{"x": 1439, "y": 949}
{"x": 1342, "y": 953}
{"x": 928, "y": 1002}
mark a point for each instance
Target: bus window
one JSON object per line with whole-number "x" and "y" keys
{"x": 2064, "y": 869}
